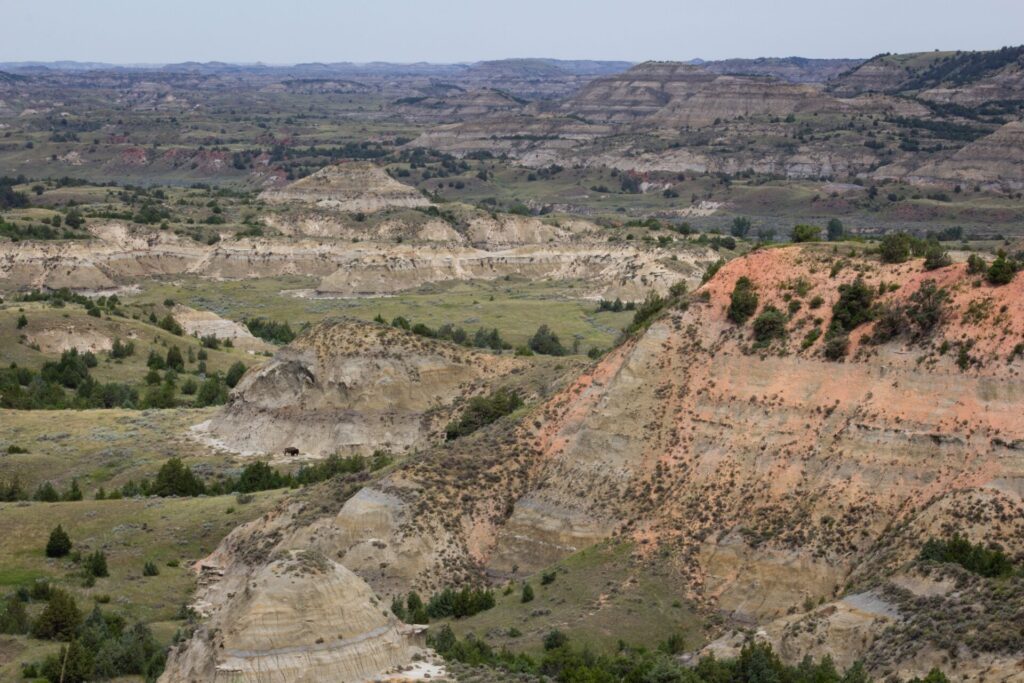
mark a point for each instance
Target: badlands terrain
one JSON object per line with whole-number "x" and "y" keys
{"x": 514, "y": 370}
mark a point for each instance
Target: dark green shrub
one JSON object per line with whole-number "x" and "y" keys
{"x": 712, "y": 269}
{"x": 976, "y": 265}
{"x": 271, "y": 331}
{"x": 176, "y": 479}
{"x": 740, "y": 226}
{"x": 235, "y": 373}
{"x": 1001, "y": 271}
{"x": 743, "y": 301}
{"x": 59, "y": 543}
{"x": 835, "y": 230}
{"x": 974, "y": 557}
{"x": 96, "y": 564}
{"x": 895, "y": 247}
{"x": 59, "y": 619}
{"x": 805, "y": 233}
{"x": 935, "y": 257}
{"x": 769, "y": 325}
{"x": 854, "y": 305}
{"x": 13, "y": 616}
{"x": 546, "y": 342}
{"x": 646, "y": 312}
{"x": 926, "y": 306}
{"x": 482, "y": 411}
{"x": 836, "y": 344}
{"x": 555, "y": 639}
{"x": 212, "y": 392}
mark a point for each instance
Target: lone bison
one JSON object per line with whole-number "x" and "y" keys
{"x": 291, "y": 451}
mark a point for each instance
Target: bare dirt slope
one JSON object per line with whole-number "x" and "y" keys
{"x": 760, "y": 477}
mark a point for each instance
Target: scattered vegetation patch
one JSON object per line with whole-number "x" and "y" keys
{"x": 482, "y": 411}
{"x": 743, "y": 301}
{"x": 974, "y": 557}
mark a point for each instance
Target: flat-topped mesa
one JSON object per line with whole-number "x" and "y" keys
{"x": 352, "y": 186}
{"x": 353, "y": 387}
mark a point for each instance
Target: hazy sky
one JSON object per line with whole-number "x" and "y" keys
{"x": 289, "y": 31}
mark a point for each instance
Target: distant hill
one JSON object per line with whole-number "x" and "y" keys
{"x": 965, "y": 78}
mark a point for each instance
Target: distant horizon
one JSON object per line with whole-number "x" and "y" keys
{"x": 254, "y": 32}
{"x": 83, "y": 62}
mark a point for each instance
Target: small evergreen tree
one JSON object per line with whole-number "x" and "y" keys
{"x": 176, "y": 479}
{"x": 235, "y": 373}
{"x": 1001, "y": 271}
{"x": 546, "y": 342}
{"x": 14, "y": 618}
{"x": 73, "y": 493}
{"x": 527, "y": 595}
{"x": 59, "y": 619}
{"x": 740, "y": 226}
{"x": 175, "y": 361}
{"x": 835, "y": 230}
{"x": 73, "y": 664}
{"x": 59, "y": 544}
{"x": 96, "y": 564}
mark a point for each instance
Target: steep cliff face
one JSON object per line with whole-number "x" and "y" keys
{"x": 760, "y": 475}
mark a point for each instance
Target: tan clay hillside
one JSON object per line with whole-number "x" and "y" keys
{"x": 354, "y": 186}
{"x": 305, "y": 618}
{"x": 995, "y": 161}
{"x": 354, "y": 387}
{"x": 760, "y": 478}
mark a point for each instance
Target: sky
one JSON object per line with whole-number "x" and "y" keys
{"x": 294, "y": 31}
